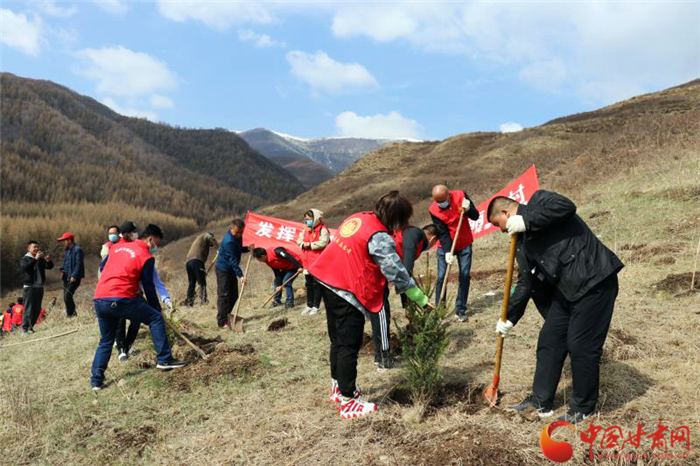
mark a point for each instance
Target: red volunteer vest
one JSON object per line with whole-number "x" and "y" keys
{"x": 311, "y": 236}
{"x": 450, "y": 217}
{"x": 17, "y": 312}
{"x": 278, "y": 263}
{"x": 7, "y": 321}
{"x": 346, "y": 264}
{"x": 42, "y": 314}
{"x": 398, "y": 239}
{"x": 121, "y": 276}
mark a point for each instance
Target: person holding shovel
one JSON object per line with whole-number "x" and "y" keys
{"x": 355, "y": 270}
{"x": 312, "y": 240}
{"x": 446, "y": 210}
{"x": 228, "y": 271}
{"x": 285, "y": 265}
{"x": 572, "y": 275}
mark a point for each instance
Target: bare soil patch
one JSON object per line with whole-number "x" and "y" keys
{"x": 277, "y": 325}
{"x": 462, "y": 396}
{"x": 679, "y": 283}
{"x": 222, "y": 361}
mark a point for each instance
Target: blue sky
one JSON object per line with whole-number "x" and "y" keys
{"x": 376, "y": 69}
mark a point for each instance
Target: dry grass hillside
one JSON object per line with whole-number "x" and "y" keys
{"x": 260, "y": 398}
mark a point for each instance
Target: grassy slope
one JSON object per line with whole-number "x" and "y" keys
{"x": 270, "y": 407}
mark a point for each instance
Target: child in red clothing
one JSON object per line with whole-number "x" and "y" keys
{"x": 17, "y": 312}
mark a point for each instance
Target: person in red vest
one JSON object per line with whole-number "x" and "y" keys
{"x": 18, "y": 313}
{"x": 355, "y": 270}
{"x": 445, "y": 211}
{"x": 410, "y": 244}
{"x": 129, "y": 267}
{"x": 284, "y": 264}
{"x": 312, "y": 241}
{"x": 7, "y": 318}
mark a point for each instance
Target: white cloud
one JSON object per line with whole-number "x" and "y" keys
{"x": 123, "y": 72}
{"x": 132, "y": 112}
{"x": 380, "y": 126}
{"x": 510, "y": 127}
{"x": 219, "y": 15}
{"x": 115, "y": 7}
{"x": 323, "y": 73}
{"x": 259, "y": 40}
{"x": 600, "y": 51}
{"x": 50, "y": 8}
{"x": 161, "y": 101}
{"x": 20, "y": 33}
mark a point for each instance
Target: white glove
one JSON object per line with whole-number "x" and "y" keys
{"x": 504, "y": 327}
{"x": 449, "y": 258}
{"x": 168, "y": 304}
{"x": 466, "y": 204}
{"x": 515, "y": 224}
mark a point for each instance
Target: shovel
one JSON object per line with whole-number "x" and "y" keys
{"x": 452, "y": 251}
{"x": 282, "y": 286}
{"x": 184, "y": 338}
{"x": 212, "y": 262}
{"x": 491, "y": 393}
{"x": 237, "y": 325}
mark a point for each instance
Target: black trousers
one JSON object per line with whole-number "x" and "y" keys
{"x": 381, "y": 322}
{"x": 32, "y": 306}
{"x": 196, "y": 274}
{"x": 68, "y": 295}
{"x": 313, "y": 292}
{"x": 345, "y": 330}
{"x": 226, "y": 295}
{"x": 577, "y": 329}
{"x": 125, "y": 339}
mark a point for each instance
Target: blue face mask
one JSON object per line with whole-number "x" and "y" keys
{"x": 444, "y": 205}
{"x": 153, "y": 250}
{"x": 114, "y": 238}
{"x": 309, "y": 223}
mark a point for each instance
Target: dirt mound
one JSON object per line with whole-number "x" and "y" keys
{"x": 277, "y": 325}
{"x": 678, "y": 283}
{"x": 133, "y": 439}
{"x": 222, "y": 361}
{"x": 621, "y": 346}
{"x": 454, "y": 395}
{"x": 368, "y": 344}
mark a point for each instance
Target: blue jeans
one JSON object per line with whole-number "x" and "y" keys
{"x": 464, "y": 259}
{"x": 108, "y": 312}
{"x": 282, "y": 276}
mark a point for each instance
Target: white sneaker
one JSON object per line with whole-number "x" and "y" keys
{"x": 306, "y": 310}
{"x": 123, "y": 357}
{"x": 313, "y": 311}
{"x": 355, "y": 408}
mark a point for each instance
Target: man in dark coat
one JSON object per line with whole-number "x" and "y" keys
{"x": 73, "y": 271}
{"x": 33, "y": 266}
{"x": 572, "y": 277}
{"x": 228, "y": 271}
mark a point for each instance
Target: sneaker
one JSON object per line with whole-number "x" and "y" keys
{"x": 172, "y": 364}
{"x": 377, "y": 358}
{"x": 355, "y": 408}
{"x": 532, "y": 401}
{"x": 97, "y": 388}
{"x": 386, "y": 362}
{"x": 31, "y": 330}
{"x": 462, "y": 317}
{"x": 573, "y": 417}
{"x": 288, "y": 305}
{"x": 305, "y": 311}
{"x": 123, "y": 357}
{"x": 335, "y": 395}
{"x": 313, "y": 311}
{"x": 276, "y": 303}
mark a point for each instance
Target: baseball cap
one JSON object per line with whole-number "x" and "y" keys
{"x": 65, "y": 236}
{"x": 128, "y": 227}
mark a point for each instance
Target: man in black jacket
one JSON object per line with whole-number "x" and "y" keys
{"x": 572, "y": 277}
{"x": 33, "y": 265}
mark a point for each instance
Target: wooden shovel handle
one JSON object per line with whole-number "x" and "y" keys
{"x": 216, "y": 256}
{"x": 452, "y": 252}
{"x": 183, "y": 337}
{"x": 282, "y": 286}
{"x": 240, "y": 296}
{"x": 504, "y": 307}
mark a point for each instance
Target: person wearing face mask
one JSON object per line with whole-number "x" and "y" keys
{"x": 73, "y": 271}
{"x": 312, "y": 240}
{"x": 228, "y": 270}
{"x": 127, "y": 270}
{"x": 112, "y": 238}
{"x": 445, "y": 211}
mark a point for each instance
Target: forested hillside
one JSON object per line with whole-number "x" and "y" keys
{"x": 60, "y": 147}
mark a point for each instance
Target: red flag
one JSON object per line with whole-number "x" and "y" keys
{"x": 265, "y": 232}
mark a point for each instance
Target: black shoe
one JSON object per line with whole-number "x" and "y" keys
{"x": 386, "y": 362}
{"x": 532, "y": 401}
{"x": 288, "y": 305}
{"x": 276, "y": 303}
{"x": 189, "y": 303}
{"x": 461, "y": 316}
{"x": 172, "y": 364}
{"x": 573, "y": 417}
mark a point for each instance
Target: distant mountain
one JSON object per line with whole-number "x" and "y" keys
{"x": 333, "y": 154}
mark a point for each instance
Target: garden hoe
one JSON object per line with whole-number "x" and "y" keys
{"x": 237, "y": 325}
{"x": 491, "y": 393}
{"x": 452, "y": 251}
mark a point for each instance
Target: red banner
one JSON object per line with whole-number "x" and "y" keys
{"x": 520, "y": 189}
{"x": 265, "y": 232}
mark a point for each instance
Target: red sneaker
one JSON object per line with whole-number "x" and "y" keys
{"x": 355, "y": 408}
{"x": 335, "y": 396}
